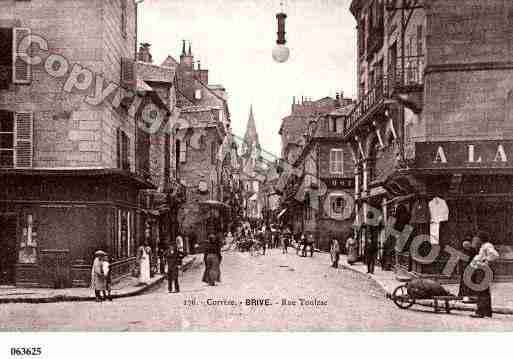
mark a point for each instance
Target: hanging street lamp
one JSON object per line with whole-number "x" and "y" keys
{"x": 281, "y": 52}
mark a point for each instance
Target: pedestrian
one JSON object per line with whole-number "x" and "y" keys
{"x": 211, "y": 258}
{"x": 352, "y": 250}
{"x": 300, "y": 241}
{"x": 108, "y": 278}
{"x": 487, "y": 254}
{"x": 174, "y": 259}
{"x": 371, "y": 251}
{"x": 285, "y": 238}
{"x": 179, "y": 242}
{"x": 143, "y": 258}
{"x": 261, "y": 237}
{"x": 467, "y": 293}
{"x": 310, "y": 243}
{"x": 335, "y": 252}
{"x": 97, "y": 275}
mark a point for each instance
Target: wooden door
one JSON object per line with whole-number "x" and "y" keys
{"x": 8, "y": 252}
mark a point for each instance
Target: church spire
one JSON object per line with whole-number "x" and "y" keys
{"x": 183, "y": 47}
{"x": 190, "y": 49}
{"x": 251, "y": 136}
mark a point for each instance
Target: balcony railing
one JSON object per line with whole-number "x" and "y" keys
{"x": 411, "y": 76}
{"x": 376, "y": 95}
{"x": 413, "y": 72}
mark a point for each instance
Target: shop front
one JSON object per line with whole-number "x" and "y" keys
{"x": 52, "y": 222}
{"x": 461, "y": 188}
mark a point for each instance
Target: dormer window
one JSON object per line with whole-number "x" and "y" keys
{"x": 197, "y": 94}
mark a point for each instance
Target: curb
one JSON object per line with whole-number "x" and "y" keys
{"x": 70, "y": 298}
{"x": 454, "y": 306}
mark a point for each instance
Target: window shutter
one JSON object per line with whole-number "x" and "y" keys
{"x": 183, "y": 151}
{"x": 21, "y": 73}
{"x": 332, "y": 161}
{"x": 128, "y": 72}
{"x": 118, "y": 148}
{"x": 24, "y": 131}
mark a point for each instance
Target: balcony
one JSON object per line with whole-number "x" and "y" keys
{"x": 413, "y": 74}
{"x": 402, "y": 80}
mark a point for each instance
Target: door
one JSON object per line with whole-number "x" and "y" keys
{"x": 8, "y": 254}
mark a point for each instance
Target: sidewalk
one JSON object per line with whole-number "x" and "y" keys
{"x": 126, "y": 287}
{"x": 502, "y": 293}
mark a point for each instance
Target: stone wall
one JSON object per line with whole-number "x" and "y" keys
{"x": 469, "y": 80}
{"x": 67, "y": 131}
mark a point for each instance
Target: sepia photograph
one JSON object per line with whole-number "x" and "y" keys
{"x": 294, "y": 166}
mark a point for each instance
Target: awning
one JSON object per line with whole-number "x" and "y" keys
{"x": 212, "y": 203}
{"x": 282, "y": 212}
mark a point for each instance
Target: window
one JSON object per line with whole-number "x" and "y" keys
{"x": 6, "y": 139}
{"x": 181, "y": 147}
{"x": 16, "y": 133}
{"x": 213, "y": 152}
{"x": 420, "y": 40}
{"x": 123, "y": 18}
{"x": 197, "y": 94}
{"x": 14, "y": 64}
{"x": 123, "y": 149}
{"x": 337, "y": 206}
{"x": 337, "y": 161}
{"x": 124, "y": 245}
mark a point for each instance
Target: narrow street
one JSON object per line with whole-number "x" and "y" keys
{"x": 345, "y": 301}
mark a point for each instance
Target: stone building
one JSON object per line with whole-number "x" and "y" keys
{"x": 320, "y": 195}
{"x": 72, "y": 160}
{"x": 293, "y": 132}
{"x": 433, "y": 125}
{"x": 200, "y": 149}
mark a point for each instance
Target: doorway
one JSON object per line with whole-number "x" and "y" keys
{"x": 8, "y": 254}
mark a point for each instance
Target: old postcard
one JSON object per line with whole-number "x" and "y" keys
{"x": 255, "y": 165}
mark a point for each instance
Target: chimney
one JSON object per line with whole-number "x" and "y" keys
{"x": 144, "y": 54}
{"x": 337, "y": 101}
{"x": 201, "y": 75}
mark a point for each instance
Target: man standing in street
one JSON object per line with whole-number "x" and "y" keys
{"x": 371, "y": 251}
{"x": 487, "y": 254}
{"x": 174, "y": 263}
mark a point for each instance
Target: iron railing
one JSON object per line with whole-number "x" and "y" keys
{"x": 412, "y": 75}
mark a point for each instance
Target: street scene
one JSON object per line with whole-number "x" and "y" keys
{"x": 256, "y": 165}
{"x": 345, "y": 299}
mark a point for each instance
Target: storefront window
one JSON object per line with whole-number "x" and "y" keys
{"x": 28, "y": 245}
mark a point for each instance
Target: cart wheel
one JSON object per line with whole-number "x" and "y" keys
{"x": 401, "y": 297}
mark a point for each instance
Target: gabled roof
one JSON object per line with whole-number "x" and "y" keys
{"x": 170, "y": 62}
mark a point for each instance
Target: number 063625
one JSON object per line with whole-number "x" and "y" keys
{"x": 26, "y": 351}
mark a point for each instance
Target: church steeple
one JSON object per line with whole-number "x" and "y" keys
{"x": 251, "y": 136}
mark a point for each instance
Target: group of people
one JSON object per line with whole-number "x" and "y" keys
{"x": 101, "y": 276}
{"x": 271, "y": 237}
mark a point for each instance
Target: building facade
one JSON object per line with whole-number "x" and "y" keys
{"x": 317, "y": 170}
{"x": 202, "y": 150}
{"x": 432, "y": 126}
{"x": 73, "y": 164}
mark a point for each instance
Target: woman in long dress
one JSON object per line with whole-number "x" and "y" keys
{"x": 98, "y": 282}
{"x": 352, "y": 250}
{"x": 144, "y": 255}
{"x": 212, "y": 261}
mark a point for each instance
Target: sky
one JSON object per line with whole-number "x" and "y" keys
{"x": 234, "y": 40}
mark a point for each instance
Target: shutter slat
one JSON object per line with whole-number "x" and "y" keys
{"x": 21, "y": 67}
{"x": 24, "y": 125}
{"x": 128, "y": 76}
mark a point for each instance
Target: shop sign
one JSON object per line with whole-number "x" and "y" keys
{"x": 339, "y": 182}
{"x": 464, "y": 154}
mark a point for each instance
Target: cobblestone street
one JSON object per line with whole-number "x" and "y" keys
{"x": 345, "y": 301}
